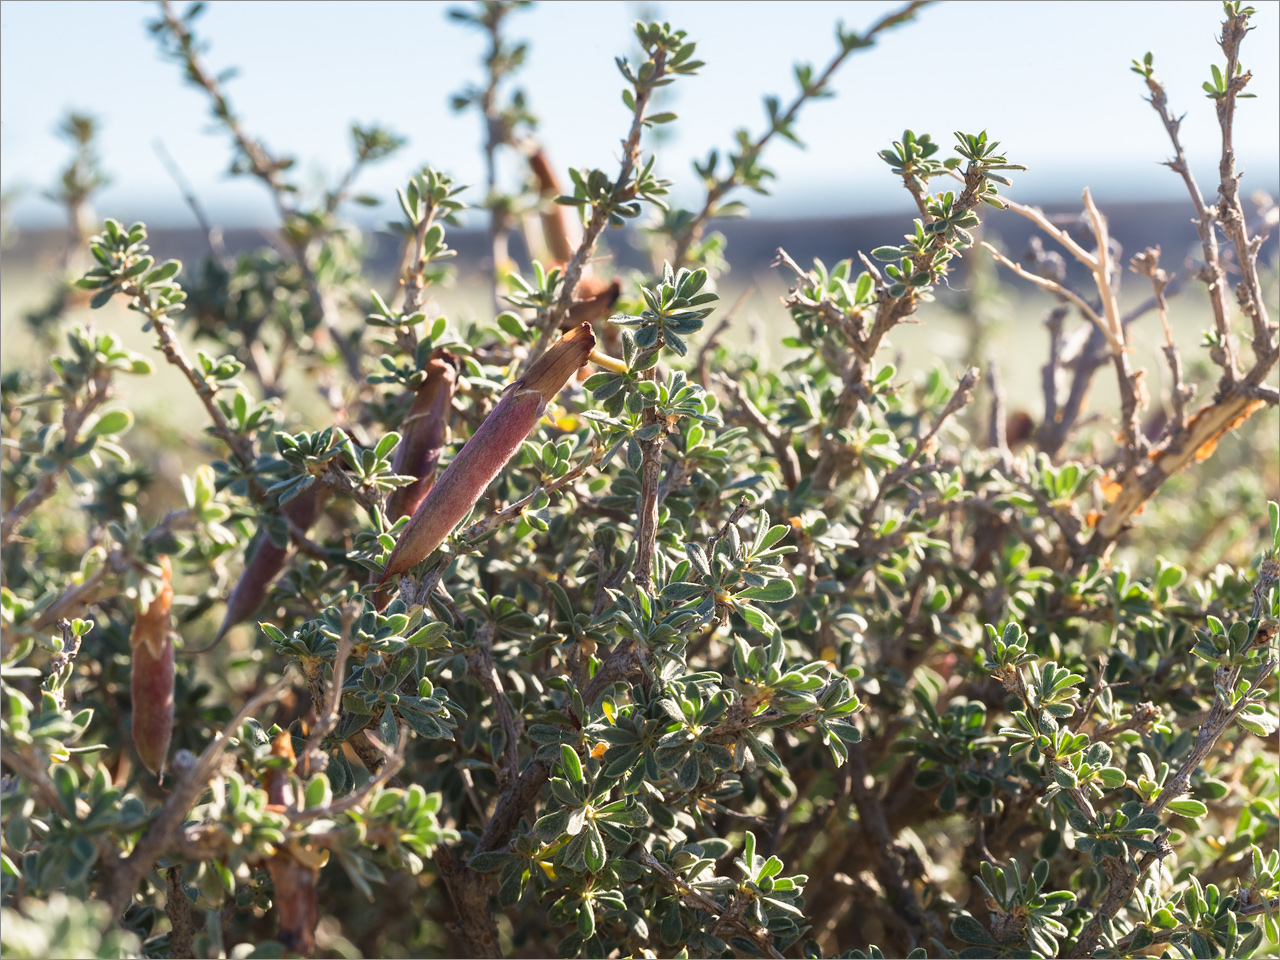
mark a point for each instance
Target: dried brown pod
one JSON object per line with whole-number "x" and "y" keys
{"x": 151, "y": 683}
{"x": 277, "y": 782}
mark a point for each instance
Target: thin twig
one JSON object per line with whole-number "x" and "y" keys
{"x": 314, "y": 759}
{"x": 241, "y": 447}
{"x": 211, "y": 233}
{"x": 1230, "y": 210}
{"x": 694, "y": 898}
{"x": 480, "y": 664}
{"x": 997, "y": 432}
{"x": 75, "y": 412}
{"x": 692, "y": 233}
{"x": 704, "y": 354}
{"x": 1212, "y": 273}
{"x": 783, "y": 451}
{"x": 1180, "y": 393}
{"x": 1057, "y": 289}
{"x": 393, "y": 761}
{"x": 1124, "y": 879}
{"x": 98, "y": 585}
{"x": 959, "y": 399}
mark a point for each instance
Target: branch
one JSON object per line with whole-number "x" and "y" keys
{"x": 1212, "y": 273}
{"x": 165, "y": 831}
{"x": 1230, "y": 211}
{"x": 267, "y": 169}
{"x": 1124, "y": 879}
{"x": 1196, "y": 443}
{"x": 211, "y": 233}
{"x": 241, "y": 447}
{"x": 718, "y": 190}
{"x": 480, "y": 665}
{"x": 704, "y": 354}
{"x": 1147, "y": 263}
{"x": 600, "y": 214}
{"x": 392, "y": 762}
{"x": 884, "y": 853}
{"x": 647, "y": 508}
{"x": 783, "y": 451}
{"x": 314, "y": 759}
{"x": 760, "y": 936}
{"x": 1057, "y": 289}
{"x": 178, "y": 909}
{"x": 74, "y": 414}
{"x": 960, "y": 398}
{"x": 96, "y": 585}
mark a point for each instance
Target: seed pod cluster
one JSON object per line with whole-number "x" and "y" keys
{"x": 489, "y": 449}
{"x": 151, "y": 683}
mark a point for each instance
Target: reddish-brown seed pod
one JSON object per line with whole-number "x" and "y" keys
{"x": 594, "y": 297}
{"x": 426, "y": 431}
{"x": 276, "y": 781}
{"x": 151, "y": 685}
{"x": 488, "y": 450}
{"x": 296, "y": 903}
{"x": 593, "y": 300}
{"x": 555, "y": 218}
{"x": 268, "y": 559}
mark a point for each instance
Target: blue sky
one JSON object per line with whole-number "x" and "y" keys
{"x": 1049, "y": 79}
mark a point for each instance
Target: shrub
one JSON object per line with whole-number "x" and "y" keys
{"x": 597, "y": 635}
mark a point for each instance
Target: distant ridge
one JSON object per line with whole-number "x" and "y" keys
{"x": 751, "y": 242}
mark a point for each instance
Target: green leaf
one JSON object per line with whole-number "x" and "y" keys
{"x": 111, "y": 422}
{"x": 572, "y": 765}
{"x": 775, "y": 591}
{"x": 1187, "y": 807}
{"x": 672, "y": 929}
{"x": 969, "y": 930}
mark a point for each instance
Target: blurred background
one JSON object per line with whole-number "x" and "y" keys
{"x": 1050, "y": 80}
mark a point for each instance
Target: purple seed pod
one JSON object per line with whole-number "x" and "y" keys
{"x": 426, "y": 431}
{"x": 268, "y": 560}
{"x": 488, "y": 450}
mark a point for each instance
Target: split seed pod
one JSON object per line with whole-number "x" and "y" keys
{"x": 488, "y": 450}
{"x": 426, "y": 431}
{"x": 151, "y": 685}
